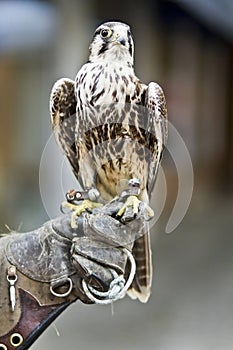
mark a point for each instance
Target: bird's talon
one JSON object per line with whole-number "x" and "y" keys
{"x": 78, "y": 209}
{"x": 150, "y": 212}
{"x": 132, "y": 201}
{"x": 67, "y": 205}
{"x": 147, "y": 210}
{"x": 135, "y": 204}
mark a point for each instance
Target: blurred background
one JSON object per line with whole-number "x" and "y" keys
{"x": 186, "y": 46}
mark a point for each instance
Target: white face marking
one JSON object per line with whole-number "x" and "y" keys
{"x": 112, "y": 42}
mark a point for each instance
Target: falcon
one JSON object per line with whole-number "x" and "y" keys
{"x": 112, "y": 127}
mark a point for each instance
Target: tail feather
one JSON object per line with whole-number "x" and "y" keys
{"x": 141, "y": 285}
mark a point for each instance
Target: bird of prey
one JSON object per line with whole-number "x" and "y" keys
{"x": 113, "y": 128}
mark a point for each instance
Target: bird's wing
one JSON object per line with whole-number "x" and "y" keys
{"x": 63, "y": 118}
{"x": 157, "y": 127}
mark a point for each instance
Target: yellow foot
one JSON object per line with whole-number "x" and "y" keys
{"x": 79, "y": 209}
{"x": 134, "y": 202}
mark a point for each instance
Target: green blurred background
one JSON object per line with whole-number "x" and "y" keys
{"x": 186, "y": 46}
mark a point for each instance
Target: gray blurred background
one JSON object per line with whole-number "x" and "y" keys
{"x": 186, "y": 46}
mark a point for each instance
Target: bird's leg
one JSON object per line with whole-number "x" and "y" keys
{"x": 132, "y": 202}
{"x": 88, "y": 200}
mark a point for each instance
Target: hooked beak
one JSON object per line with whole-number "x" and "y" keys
{"x": 119, "y": 40}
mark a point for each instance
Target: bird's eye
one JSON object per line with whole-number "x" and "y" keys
{"x": 105, "y": 33}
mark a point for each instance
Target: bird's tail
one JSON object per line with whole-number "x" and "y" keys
{"x": 141, "y": 285}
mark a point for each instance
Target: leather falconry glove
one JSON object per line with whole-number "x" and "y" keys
{"x": 43, "y": 271}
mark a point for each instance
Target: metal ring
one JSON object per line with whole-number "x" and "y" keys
{"x": 3, "y": 346}
{"x": 16, "y": 339}
{"x": 62, "y": 295}
{"x": 12, "y": 279}
{"x": 118, "y": 287}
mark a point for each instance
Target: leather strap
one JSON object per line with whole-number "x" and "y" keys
{"x": 34, "y": 319}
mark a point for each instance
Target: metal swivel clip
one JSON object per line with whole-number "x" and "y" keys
{"x": 12, "y": 278}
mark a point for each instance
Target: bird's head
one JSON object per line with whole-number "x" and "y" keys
{"x": 112, "y": 41}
